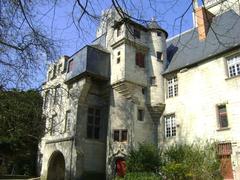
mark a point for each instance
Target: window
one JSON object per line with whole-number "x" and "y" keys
{"x": 158, "y": 33}
{"x": 47, "y": 97}
{"x": 170, "y": 126}
{"x": 118, "y": 58}
{"x": 140, "y": 115}
{"x": 57, "y": 95}
{"x": 67, "y": 121}
{"x": 136, "y": 33}
{"x": 139, "y": 58}
{"x": 144, "y": 91}
{"x": 172, "y": 85}
{"x": 69, "y": 90}
{"x": 159, "y": 55}
{"x": 153, "y": 80}
{"x": 93, "y": 124}
{"x": 234, "y": 66}
{"x": 59, "y": 68}
{"x": 224, "y": 149}
{"x": 119, "y": 31}
{"x": 120, "y": 135}
{"x": 70, "y": 65}
{"x": 222, "y": 116}
{"x": 54, "y": 125}
{"x": 54, "y": 71}
{"x": 49, "y": 75}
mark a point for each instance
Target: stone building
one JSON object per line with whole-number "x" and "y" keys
{"x": 133, "y": 85}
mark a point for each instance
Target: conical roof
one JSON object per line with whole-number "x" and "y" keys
{"x": 153, "y": 25}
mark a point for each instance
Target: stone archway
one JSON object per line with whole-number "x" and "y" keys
{"x": 56, "y": 166}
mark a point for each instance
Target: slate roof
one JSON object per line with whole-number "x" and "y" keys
{"x": 187, "y": 50}
{"x": 153, "y": 25}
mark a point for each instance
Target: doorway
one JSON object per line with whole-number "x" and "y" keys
{"x": 56, "y": 167}
{"x": 121, "y": 167}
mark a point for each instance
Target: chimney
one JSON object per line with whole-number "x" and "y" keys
{"x": 203, "y": 21}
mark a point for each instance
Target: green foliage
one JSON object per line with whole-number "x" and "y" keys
{"x": 183, "y": 161}
{"x": 145, "y": 159}
{"x": 21, "y": 129}
{"x": 176, "y": 162}
{"x": 140, "y": 176}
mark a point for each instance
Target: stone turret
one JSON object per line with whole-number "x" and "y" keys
{"x": 157, "y": 55}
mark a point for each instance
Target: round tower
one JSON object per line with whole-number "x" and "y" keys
{"x": 157, "y": 55}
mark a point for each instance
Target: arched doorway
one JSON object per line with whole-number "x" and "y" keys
{"x": 56, "y": 167}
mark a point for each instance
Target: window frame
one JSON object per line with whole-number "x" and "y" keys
{"x": 140, "y": 59}
{"x": 220, "y": 116}
{"x": 172, "y": 86}
{"x": 121, "y": 137}
{"x": 46, "y": 99}
{"x": 170, "y": 127}
{"x": 153, "y": 81}
{"x": 70, "y": 65}
{"x": 137, "y": 33}
{"x": 53, "y": 130}
{"x": 159, "y": 34}
{"x": 140, "y": 114}
{"x": 159, "y": 55}
{"x": 93, "y": 125}
{"x": 67, "y": 126}
{"x": 57, "y": 95}
{"x": 119, "y": 31}
{"x": 233, "y": 68}
{"x": 59, "y": 70}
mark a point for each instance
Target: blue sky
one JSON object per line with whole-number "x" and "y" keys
{"x": 59, "y": 20}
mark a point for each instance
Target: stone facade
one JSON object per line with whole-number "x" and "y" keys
{"x": 120, "y": 91}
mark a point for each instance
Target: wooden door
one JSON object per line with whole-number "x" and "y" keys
{"x": 226, "y": 167}
{"x": 121, "y": 167}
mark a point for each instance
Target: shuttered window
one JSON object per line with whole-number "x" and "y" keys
{"x": 140, "y": 59}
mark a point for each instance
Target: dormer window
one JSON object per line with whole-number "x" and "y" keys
{"x": 137, "y": 33}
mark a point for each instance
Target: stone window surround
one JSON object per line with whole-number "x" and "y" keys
{"x": 94, "y": 125}
{"x": 120, "y": 134}
{"x": 233, "y": 65}
{"x": 140, "y": 114}
{"x": 67, "y": 125}
{"x": 170, "y": 120}
{"x": 57, "y": 95}
{"x": 218, "y": 118}
{"x": 172, "y": 86}
{"x": 53, "y": 127}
